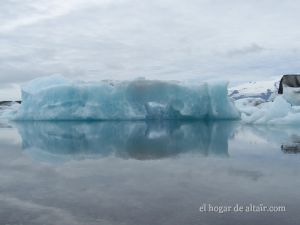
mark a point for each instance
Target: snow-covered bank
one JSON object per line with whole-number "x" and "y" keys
{"x": 56, "y": 98}
{"x": 264, "y": 90}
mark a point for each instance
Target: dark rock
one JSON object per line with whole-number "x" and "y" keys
{"x": 290, "y": 80}
{"x": 8, "y": 103}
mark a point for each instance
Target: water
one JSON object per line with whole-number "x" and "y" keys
{"x": 146, "y": 173}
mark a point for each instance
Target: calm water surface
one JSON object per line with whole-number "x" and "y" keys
{"x": 134, "y": 173}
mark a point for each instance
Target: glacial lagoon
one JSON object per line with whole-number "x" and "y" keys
{"x": 121, "y": 173}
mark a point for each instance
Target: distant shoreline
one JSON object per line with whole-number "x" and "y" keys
{"x": 9, "y": 102}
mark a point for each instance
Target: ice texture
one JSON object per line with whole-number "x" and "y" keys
{"x": 284, "y": 109}
{"x": 57, "y": 98}
{"x": 9, "y": 110}
{"x": 53, "y": 142}
{"x": 292, "y": 95}
{"x": 280, "y": 112}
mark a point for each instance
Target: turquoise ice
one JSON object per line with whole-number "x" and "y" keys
{"x": 57, "y": 98}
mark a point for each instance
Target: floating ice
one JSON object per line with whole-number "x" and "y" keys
{"x": 56, "y": 98}
{"x": 279, "y": 111}
{"x": 292, "y": 95}
{"x": 9, "y": 110}
{"x": 248, "y": 105}
{"x": 284, "y": 109}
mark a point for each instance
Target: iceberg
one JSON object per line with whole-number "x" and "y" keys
{"x": 57, "y": 98}
{"x": 282, "y": 109}
{"x": 277, "y": 112}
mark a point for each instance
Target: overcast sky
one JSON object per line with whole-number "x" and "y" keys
{"x": 158, "y": 39}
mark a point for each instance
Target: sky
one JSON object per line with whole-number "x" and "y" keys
{"x": 91, "y": 40}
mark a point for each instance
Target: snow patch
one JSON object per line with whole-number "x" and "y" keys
{"x": 260, "y": 89}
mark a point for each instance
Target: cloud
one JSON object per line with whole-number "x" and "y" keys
{"x": 29, "y": 12}
{"x": 253, "y": 48}
{"x": 161, "y": 39}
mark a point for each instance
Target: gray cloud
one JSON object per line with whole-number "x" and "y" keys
{"x": 162, "y": 39}
{"x": 253, "y": 48}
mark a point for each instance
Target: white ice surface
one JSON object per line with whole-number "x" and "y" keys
{"x": 280, "y": 112}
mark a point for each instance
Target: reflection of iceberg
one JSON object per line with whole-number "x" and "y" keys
{"x": 285, "y": 137}
{"x": 56, "y": 98}
{"x": 55, "y": 141}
